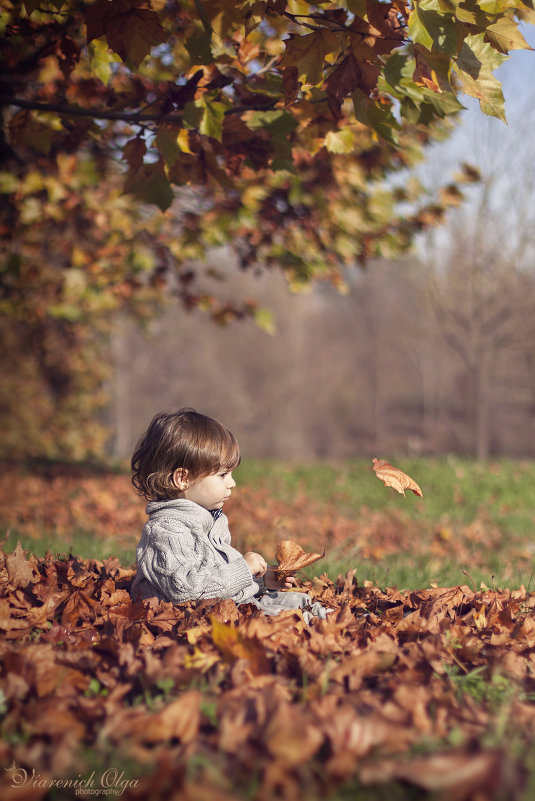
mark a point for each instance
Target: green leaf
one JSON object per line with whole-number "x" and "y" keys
{"x": 199, "y": 47}
{"x": 149, "y": 184}
{"x": 100, "y": 59}
{"x": 380, "y": 118}
{"x": 443, "y": 103}
{"x": 192, "y": 114}
{"x": 212, "y": 118}
{"x": 409, "y": 111}
{"x": 383, "y": 122}
{"x": 398, "y": 74}
{"x": 203, "y": 16}
{"x": 504, "y": 35}
{"x": 432, "y": 70}
{"x": 340, "y": 141}
{"x": 417, "y": 29}
{"x": 279, "y": 123}
{"x": 264, "y": 320}
{"x": 167, "y": 143}
{"x": 358, "y": 8}
{"x": 474, "y": 65}
{"x": 433, "y": 29}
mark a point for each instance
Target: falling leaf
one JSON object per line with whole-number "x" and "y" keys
{"x": 291, "y": 558}
{"x": 395, "y": 478}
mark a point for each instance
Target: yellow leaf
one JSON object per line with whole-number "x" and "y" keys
{"x": 233, "y": 645}
{"x": 200, "y": 660}
{"x": 182, "y": 141}
{"x": 340, "y": 141}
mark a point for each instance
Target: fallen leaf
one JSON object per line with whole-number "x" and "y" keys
{"x": 233, "y": 645}
{"x": 395, "y": 478}
{"x": 291, "y": 558}
{"x": 456, "y": 772}
{"x": 19, "y": 569}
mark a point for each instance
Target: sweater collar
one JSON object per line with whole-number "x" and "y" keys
{"x": 180, "y": 507}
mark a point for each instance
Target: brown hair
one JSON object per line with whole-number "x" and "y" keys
{"x": 183, "y": 439}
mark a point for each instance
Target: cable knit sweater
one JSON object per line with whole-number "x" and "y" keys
{"x": 184, "y": 555}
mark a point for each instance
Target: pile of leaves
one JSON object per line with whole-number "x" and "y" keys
{"x": 426, "y": 690}
{"x": 70, "y": 499}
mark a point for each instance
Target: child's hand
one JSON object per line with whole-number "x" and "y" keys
{"x": 256, "y": 563}
{"x": 271, "y": 583}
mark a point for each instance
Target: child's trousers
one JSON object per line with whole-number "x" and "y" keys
{"x": 274, "y": 602}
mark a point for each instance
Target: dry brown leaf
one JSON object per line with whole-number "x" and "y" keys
{"x": 456, "y": 772}
{"x": 291, "y": 558}
{"x": 19, "y": 569}
{"x": 395, "y": 478}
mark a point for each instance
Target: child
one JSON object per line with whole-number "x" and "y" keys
{"x": 183, "y": 466}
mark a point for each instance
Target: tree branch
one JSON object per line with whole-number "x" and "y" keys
{"x": 136, "y": 117}
{"x": 76, "y": 111}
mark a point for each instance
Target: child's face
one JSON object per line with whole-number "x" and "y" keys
{"x": 210, "y": 492}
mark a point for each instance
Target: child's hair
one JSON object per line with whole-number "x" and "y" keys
{"x": 183, "y": 439}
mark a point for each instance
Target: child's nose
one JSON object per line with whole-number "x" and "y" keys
{"x": 230, "y": 482}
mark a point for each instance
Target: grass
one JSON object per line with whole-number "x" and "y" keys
{"x": 84, "y": 544}
{"x": 453, "y": 488}
{"x": 497, "y": 496}
{"x": 489, "y": 506}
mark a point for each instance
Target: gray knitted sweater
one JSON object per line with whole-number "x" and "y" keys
{"x": 184, "y": 554}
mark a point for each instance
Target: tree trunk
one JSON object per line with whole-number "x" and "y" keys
{"x": 121, "y": 400}
{"x": 482, "y": 411}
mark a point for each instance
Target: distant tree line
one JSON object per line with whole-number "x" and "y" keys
{"x": 414, "y": 359}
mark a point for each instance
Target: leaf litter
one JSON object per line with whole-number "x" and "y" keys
{"x": 203, "y": 700}
{"x": 429, "y": 690}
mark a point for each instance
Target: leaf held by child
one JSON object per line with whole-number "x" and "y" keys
{"x": 395, "y": 478}
{"x": 291, "y": 558}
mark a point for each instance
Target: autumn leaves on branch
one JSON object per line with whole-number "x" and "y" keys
{"x": 274, "y": 128}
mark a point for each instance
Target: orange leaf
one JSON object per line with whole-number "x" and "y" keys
{"x": 395, "y": 478}
{"x": 291, "y": 558}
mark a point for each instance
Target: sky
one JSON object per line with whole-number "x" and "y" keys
{"x": 517, "y": 76}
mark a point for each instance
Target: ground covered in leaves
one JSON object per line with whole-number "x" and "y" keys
{"x": 414, "y": 694}
{"x": 401, "y": 695}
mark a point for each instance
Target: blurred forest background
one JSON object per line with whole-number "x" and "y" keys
{"x": 427, "y": 353}
{"x": 431, "y": 354}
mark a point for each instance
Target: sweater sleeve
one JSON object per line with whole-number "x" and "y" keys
{"x": 182, "y": 566}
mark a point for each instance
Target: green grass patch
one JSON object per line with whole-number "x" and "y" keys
{"x": 454, "y": 488}
{"x": 84, "y": 544}
{"x": 496, "y": 499}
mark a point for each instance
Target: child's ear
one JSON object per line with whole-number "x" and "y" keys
{"x": 180, "y": 478}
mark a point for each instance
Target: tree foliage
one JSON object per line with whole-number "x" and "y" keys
{"x": 272, "y": 126}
